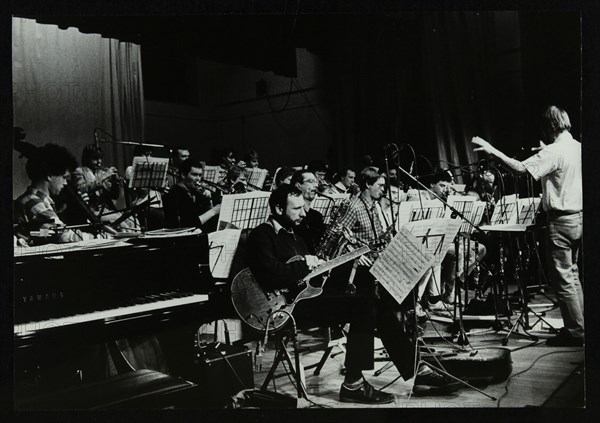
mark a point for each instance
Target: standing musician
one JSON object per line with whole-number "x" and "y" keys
{"x": 49, "y": 168}
{"x": 188, "y": 204}
{"x": 558, "y": 166}
{"x": 312, "y": 226}
{"x": 362, "y": 218}
{"x": 270, "y": 246}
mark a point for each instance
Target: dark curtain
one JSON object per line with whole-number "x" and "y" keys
{"x": 373, "y": 87}
{"x": 459, "y": 63}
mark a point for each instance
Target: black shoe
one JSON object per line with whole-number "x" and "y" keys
{"x": 434, "y": 383}
{"x": 366, "y": 394}
{"x": 564, "y": 339}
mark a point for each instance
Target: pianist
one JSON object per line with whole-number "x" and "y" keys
{"x": 49, "y": 168}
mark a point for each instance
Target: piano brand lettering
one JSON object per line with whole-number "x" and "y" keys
{"x": 44, "y": 296}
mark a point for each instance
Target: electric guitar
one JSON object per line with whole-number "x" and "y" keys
{"x": 255, "y": 305}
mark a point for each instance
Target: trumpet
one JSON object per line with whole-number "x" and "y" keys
{"x": 211, "y": 186}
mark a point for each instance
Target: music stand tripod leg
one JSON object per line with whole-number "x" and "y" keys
{"x": 523, "y": 319}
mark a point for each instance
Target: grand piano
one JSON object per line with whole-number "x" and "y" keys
{"x": 72, "y": 299}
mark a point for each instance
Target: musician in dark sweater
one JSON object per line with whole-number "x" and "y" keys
{"x": 270, "y": 246}
{"x": 187, "y": 204}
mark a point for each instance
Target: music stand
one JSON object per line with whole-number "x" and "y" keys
{"x": 244, "y": 211}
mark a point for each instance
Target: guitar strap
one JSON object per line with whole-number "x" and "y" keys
{"x": 370, "y": 216}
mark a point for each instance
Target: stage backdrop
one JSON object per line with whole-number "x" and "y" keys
{"x": 66, "y": 83}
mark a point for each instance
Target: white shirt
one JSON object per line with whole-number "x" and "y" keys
{"x": 558, "y": 165}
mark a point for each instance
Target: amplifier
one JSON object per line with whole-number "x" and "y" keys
{"x": 220, "y": 372}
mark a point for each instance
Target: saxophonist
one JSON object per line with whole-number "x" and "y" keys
{"x": 362, "y": 217}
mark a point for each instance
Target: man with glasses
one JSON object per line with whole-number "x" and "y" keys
{"x": 312, "y": 227}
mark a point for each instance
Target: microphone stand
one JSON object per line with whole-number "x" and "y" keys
{"x": 387, "y": 170}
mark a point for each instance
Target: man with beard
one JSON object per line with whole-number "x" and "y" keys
{"x": 271, "y": 245}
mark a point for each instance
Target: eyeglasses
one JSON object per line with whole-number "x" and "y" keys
{"x": 310, "y": 181}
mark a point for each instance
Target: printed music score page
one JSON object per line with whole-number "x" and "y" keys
{"x": 402, "y": 264}
{"x": 244, "y": 211}
{"x": 223, "y": 245}
{"x": 436, "y": 235}
{"x": 149, "y": 172}
{"x": 256, "y": 176}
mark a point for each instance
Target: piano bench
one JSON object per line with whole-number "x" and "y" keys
{"x": 140, "y": 389}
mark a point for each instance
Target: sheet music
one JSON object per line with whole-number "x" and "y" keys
{"x": 245, "y": 211}
{"x": 223, "y": 245}
{"x": 89, "y": 244}
{"x": 149, "y": 172}
{"x": 402, "y": 264}
{"x": 527, "y": 210}
{"x": 411, "y": 211}
{"x": 213, "y": 173}
{"x": 256, "y": 176}
{"x": 468, "y": 206}
{"x": 505, "y": 211}
{"x": 326, "y": 207}
{"x": 522, "y": 214}
{"x": 435, "y": 234}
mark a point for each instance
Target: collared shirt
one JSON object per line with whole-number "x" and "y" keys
{"x": 362, "y": 218}
{"x": 558, "y": 165}
{"x": 341, "y": 188}
{"x": 35, "y": 208}
{"x": 277, "y": 227}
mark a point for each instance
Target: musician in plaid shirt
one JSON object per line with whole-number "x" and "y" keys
{"x": 49, "y": 168}
{"x": 363, "y": 217}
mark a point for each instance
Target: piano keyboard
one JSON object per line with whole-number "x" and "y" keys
{"x": 111, "y": 315}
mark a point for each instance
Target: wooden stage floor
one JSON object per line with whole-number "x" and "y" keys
{"x": 542, "y": 376}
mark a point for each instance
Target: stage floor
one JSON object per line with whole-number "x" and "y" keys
{"x": 541, "y": 375}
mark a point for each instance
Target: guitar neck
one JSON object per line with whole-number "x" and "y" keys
{"x": 338, "y": 261}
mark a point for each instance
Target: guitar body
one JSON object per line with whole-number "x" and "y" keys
{"x": 478, "y": 367}
{"x": 254, "y": 305}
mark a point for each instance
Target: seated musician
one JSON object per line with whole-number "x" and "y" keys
{"x": 441, "y": 288}
{"x": 188, "y": 204}
{"x": 251, "y": 159}
{"x": 49, "y": 168}
{"x": 312, "y": 226}
{"x": 361, "y": 217}
{"x": 484, "y": 187}
{"x": 100, "y": 184}
{"x": 235, "y": 182}
{"x": 283, "y": 175}
{"x": 178, "y": 156}
{"x": 345, "y": 181}
{"x": 270, "y": 247}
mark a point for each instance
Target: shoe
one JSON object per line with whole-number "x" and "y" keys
{"x": 366, "y": 394}
{"x": 564, "y": 339}
{"x": 440, "y": 306}
{"x": 434, "y": 383}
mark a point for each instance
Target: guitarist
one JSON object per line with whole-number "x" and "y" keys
{"x": 361, "y": 216}
{"x": 270, "y": 246}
